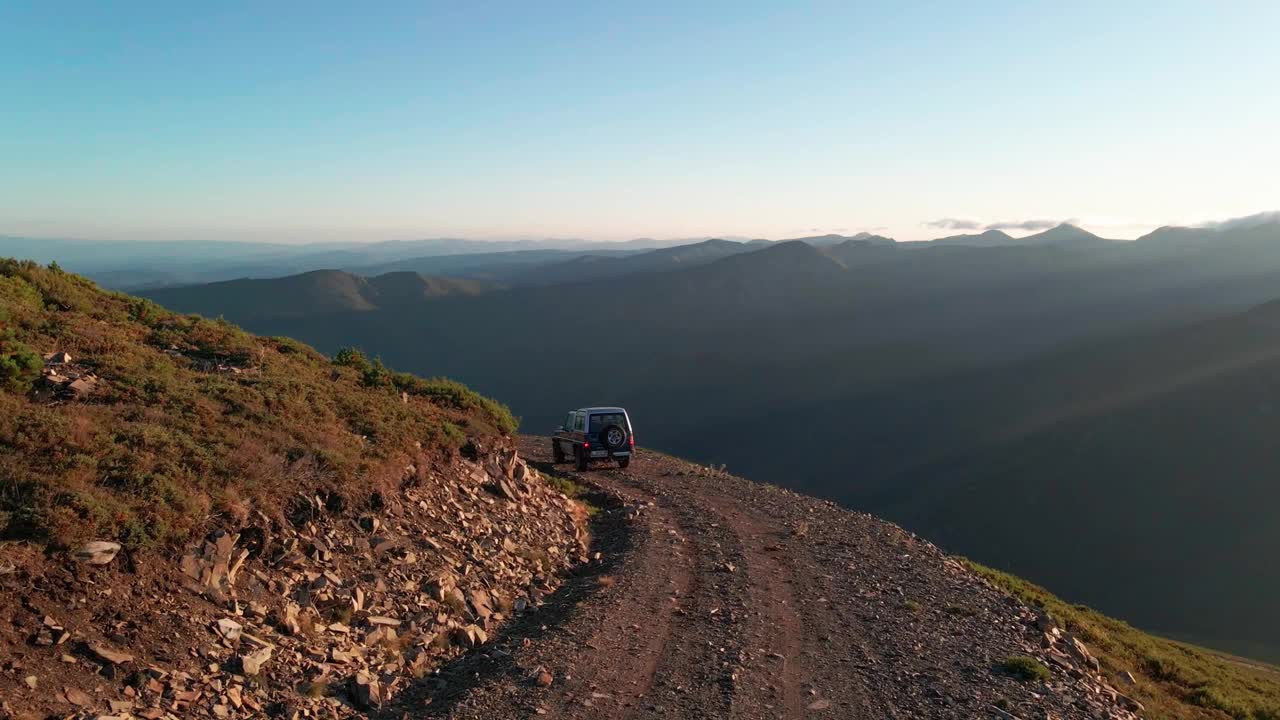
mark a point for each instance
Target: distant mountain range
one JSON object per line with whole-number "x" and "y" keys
{"x": 133, "y": 265}
{"x": 1093, "y": 414}
{"x": 146, "y": 265}
{"x": 321, "y": 292}
{"x": 1064, "y": 234}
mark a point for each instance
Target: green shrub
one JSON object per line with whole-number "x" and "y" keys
{"x": 352, "y": 358}
{"x": 450, "y": 394}
{"x": 19, "y": 364}
{"x": 1025, "y": 668}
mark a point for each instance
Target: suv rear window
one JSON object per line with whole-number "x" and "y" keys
{"x": 600, "y": 421}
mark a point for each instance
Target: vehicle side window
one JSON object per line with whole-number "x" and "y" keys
{"x": 577, "y": 421}
{"x": 568, "y": 422}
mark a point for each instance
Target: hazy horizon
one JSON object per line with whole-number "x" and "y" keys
{"x": 934, "y": 229}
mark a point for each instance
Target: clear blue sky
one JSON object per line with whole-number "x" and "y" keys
{"x": 390, "y": 120}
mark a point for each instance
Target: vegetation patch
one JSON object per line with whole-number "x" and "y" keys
{"x": 192, "y": 418}
{"x": 1025, "y": 668}
{"x": 1174, "y": 680}
{"x": 574, "y": 491}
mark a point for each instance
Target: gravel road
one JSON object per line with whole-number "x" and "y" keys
{"x": 717, "y": 597}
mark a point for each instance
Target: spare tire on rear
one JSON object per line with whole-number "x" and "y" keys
{"x": 613, "y": 437}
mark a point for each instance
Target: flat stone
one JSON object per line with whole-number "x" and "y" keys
{"x": 112, "y": 656}
{"x": 99, "y": 552}
{"x": 229, "y": 629}
{"x": 77, "y": 697}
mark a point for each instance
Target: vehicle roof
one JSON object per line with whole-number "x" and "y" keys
{"x": 601, "y": 409}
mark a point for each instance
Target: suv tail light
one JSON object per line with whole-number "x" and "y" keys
{"x": 633, "y": 442}
{"x": 586, "y": 446}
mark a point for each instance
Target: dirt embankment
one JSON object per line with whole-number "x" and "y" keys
{"x": 327, "y": 611}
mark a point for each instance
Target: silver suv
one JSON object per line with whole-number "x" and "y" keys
{"x": 595, "y": 433}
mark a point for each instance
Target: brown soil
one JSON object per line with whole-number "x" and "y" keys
{"x": 714, "y": 596}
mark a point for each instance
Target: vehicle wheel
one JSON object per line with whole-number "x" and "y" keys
{"x": 614, "y": 437}
{"x": 624, "y": 461}
{"x": 582, "y": 459}
{"x": 557, "y": 455}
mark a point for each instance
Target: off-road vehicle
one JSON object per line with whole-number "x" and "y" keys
{"x": 595, "y": 433}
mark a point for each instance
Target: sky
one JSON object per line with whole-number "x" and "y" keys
{"x": 328, "y": 121}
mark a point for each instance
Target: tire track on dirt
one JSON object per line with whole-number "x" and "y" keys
{"x": 771, "y": 581}
{"x": 696, "y": 672}
{"x": 646, "y": 644}
{"x": 720, "y": 598}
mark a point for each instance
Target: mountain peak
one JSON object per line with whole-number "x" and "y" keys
{"x": 1063, "y": 234}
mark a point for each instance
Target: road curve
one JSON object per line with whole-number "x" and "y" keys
{"x": 716, "y": 597}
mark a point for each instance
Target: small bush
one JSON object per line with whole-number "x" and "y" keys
{"x": 1025, "y": 668}
{"x": 352, "y": 358}
{"x": 446, "y": 393}
{"x": 19, "y": 364}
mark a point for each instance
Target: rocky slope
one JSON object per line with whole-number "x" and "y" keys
{"x": 325, "y": 612}
{"x": 197, "y": 522}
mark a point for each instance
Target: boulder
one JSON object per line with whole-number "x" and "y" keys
{"x": 470, "y": 636}
{"x": 106, "y": 654}
{"x": 454, "y": 598}
{"x": 252, "y": 663}
{"x": 1130, "y": 704}
{"x": 77, "y": 697}
{"x": 229, "y": 629}
{"x": 481, "y": 604}
{"x": 99, "y": 552}
{"x": 365, "y": 691}
{"x": 82, "y": 387}
{"x": 210, "y": 563}
{"x": 438, "y": 586}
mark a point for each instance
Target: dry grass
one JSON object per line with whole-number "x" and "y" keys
{"x": 196, "y": 421}
{"x": 1175, "y": 680}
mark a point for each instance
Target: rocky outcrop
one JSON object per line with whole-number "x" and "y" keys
{"x": 329, "y": 611}
{"x": 1069, "y": 654}
{"x": 63, "y": 379}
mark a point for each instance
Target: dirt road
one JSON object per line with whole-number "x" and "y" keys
{"x": 716, "y": 597}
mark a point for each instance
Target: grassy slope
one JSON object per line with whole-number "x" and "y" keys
{"x": 1175, "y": 680}
{"x": 193, "y": 417}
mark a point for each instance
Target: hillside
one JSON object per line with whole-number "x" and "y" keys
{"x": 1175, "y": 430}
{"x": 317, "y": 292}
{"x": 601, "y": 266}
{"x": 202, "y": 522}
